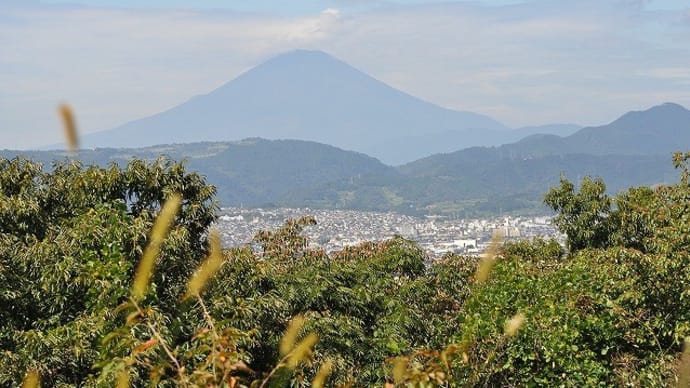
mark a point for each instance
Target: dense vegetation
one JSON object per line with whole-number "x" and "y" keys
{"x": 467, "y": 183}
{"x": 612, "y": 311}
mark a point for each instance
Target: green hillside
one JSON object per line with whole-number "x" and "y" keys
{"x": 631, "y": 151}
{"x": 471, "y": 182}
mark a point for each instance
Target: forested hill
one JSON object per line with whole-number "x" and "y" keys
{"x": 258, "y": 172}
{"x": 251, "y": 172}
{"x": 658, "y": 130}
{"x": 481, "y": 180}
{"x": 633, "y": 150}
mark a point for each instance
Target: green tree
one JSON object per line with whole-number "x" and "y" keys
{"x": 613, "y": 311}
{"x": 584, "y": 216}
{"x": 70, "y": 240}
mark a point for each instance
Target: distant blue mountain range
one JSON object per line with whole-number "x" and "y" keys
{"x": 634, "y": 150}
{"x": 310, "y": 95}
{"x": 328, "y": 123}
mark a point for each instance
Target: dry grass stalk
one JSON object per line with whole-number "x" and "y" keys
{"x": 31, "y": 380}
{"x": 159, "y": 231}
{"x": 160, "y": 341}
{"x": 208, "y": 268}
{"x": 512, "y": 325}
{"x": 123, "y": 379}
{"x": 293, "y": 354}
{"x": 287, "y": 343}
{"x": 322, "y": 375}
{"x": 302, "y": 351}
{"x": 684, "y": 369}
{"x": 70, "y": 127}
{"x": 399, "y": 369}
{"x": 488, "y": 259}
{"x": 448, "y": 353}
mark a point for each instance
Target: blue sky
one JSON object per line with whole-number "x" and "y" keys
{"x": 520, "y": 62}
{"x": 296, "y": 7}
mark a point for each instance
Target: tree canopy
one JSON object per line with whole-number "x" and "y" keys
{"x": 613, "y": 310}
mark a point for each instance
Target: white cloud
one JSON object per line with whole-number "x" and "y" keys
{"x": 543, "y": 61}
{"x": 670, "y": 73}
{"x": 117, "y": 65}
{"x": 524, "y": 64}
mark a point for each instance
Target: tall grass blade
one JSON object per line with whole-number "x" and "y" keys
{"x": 123, "y": 379}
{"x": 287, "y": 343}
{"x": 684, "y": 370}
{"x": 69, "y": 125}
{"x": 488, "y": 259}
{"x": 208, "y": 268}
{"x": 322, "y": 375}
{"x": 159, "y": 231}
{"x": 514, "y": 324}
{"x": 31, "y": 380}
{"x": 302, "y": 351}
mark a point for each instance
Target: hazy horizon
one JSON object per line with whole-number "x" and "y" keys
{"x": 519, "y": 62}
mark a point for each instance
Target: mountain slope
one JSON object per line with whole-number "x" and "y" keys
{"x": 409, "y": 148}
{"x": 632, "y": 150}
{"x": 306, "y": 95}
{"x": 473, "y": 181}
{"x": 658, "y": 130}
{"x": 251, "y": 172}
{"x": 548, "y": 129}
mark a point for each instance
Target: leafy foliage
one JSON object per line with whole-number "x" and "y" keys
{"x": 70, "y": 240}
{"x": 590, "y": 320}
{"x": 582, "y": 216}
{"x": 477, "y": 181}
{"x": 612, "y": 311}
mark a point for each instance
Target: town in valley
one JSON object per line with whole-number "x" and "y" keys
{"x": 337, "y": 229}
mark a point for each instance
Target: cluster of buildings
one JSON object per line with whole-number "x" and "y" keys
{"x": 336, "y": 229}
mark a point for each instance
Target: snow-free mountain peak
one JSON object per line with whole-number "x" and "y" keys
{"x": 302, "y": 94}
